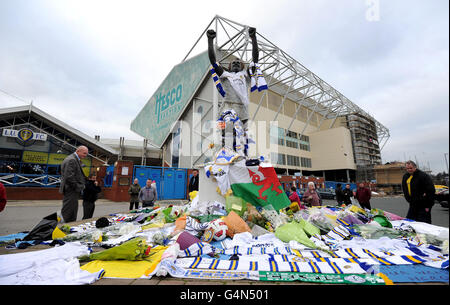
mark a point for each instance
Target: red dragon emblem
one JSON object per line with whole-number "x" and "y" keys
{"x": 266, "y": 177}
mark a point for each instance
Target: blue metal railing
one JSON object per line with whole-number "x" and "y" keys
{"x": 40, "y": 180}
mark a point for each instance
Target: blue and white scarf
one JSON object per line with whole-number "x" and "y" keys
{"x": 217, "y": 80}
{"x": 257, "y": 80}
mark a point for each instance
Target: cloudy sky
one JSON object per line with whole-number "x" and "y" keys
{"x": 94, "y": 64}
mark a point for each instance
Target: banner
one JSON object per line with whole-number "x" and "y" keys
{"x": 35, "y": 157}
{"x": 53, "y": 159}
{"x": 7, "y": 154}
{"x": 56, "y": 159}
{"x": 24, "y": 134}
{"x": 86, "y": 164}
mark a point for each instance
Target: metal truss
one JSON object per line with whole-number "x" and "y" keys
{"x": 284, "y": 75}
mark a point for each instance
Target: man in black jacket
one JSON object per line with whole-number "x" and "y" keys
{"x": 339, "y": 194}
{"x": 193, "y": 182}
{"x": 347, "y": 195}
{"x": 419, "y": 191}
{"x": 90, "y": 194}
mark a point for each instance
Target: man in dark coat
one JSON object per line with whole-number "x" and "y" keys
{"x": 339, "y": 194}
{"x": 419, "y": 191}
{"x": 193, "y": 182}
{"x": 73, "y": 182}
{"x": 134, "y": 190}
{"x": 90, "y": 194}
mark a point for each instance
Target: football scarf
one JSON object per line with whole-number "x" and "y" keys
{"x": 216, "y": 80}
{"x": 194, "y": 227}
{"x": 178, "y": 271}
{"x": 274, "y": 258}
{"x": 269, "y": 265}
{"x": 257, "y": 80}
{"x": 175, "y": 270}
{"x": 324, "y": 278}
{"x": 230, "y": 115}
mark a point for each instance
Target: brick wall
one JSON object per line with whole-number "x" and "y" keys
{"x": 33, "y": 193}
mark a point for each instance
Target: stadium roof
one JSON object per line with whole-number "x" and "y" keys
{"x": 284, "y": 75}
{"x": 53, "y": 123}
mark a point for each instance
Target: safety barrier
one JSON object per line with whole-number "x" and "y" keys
{"x": 13, "y": 179}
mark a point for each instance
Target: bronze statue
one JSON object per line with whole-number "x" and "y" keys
{"x": 235, "y": 81}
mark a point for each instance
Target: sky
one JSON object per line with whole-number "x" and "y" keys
{"x": 94, "y": 64}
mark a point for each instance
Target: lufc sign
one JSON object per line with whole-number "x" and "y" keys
{"x": 25, "y": 135}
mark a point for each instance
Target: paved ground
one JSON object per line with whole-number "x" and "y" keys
{"x": 21, "y": 216}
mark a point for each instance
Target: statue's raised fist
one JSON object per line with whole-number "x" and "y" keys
{"x": 252, "y": 32}
{"x": 211, "y": 34}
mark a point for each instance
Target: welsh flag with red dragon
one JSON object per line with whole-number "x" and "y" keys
{"x": 257, "y": 185}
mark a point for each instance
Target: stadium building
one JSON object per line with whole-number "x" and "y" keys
{"x": 306, "y": 128}
{"x": 33, "y": 145}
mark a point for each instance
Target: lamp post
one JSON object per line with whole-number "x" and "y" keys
{"x": 446, "y": 163}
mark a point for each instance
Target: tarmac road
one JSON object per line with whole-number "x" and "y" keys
{"x": 20, "y": 216}
{"x": 399, "y": 206}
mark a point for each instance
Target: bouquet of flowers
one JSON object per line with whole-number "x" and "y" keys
{"x": 135, "y": 249}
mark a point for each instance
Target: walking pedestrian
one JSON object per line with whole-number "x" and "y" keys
{"x": 90, "y": 195}
{"x": 419, "y": 191}
{"x": 134, "y": 190}
{"x": 348, "y": 194}
{"x": 73, "y": 182}
{"x": 363, "y": 195}
{"x": 148, "y": 194}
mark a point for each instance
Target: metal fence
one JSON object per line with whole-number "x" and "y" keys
{"x": 13, "y": 179}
